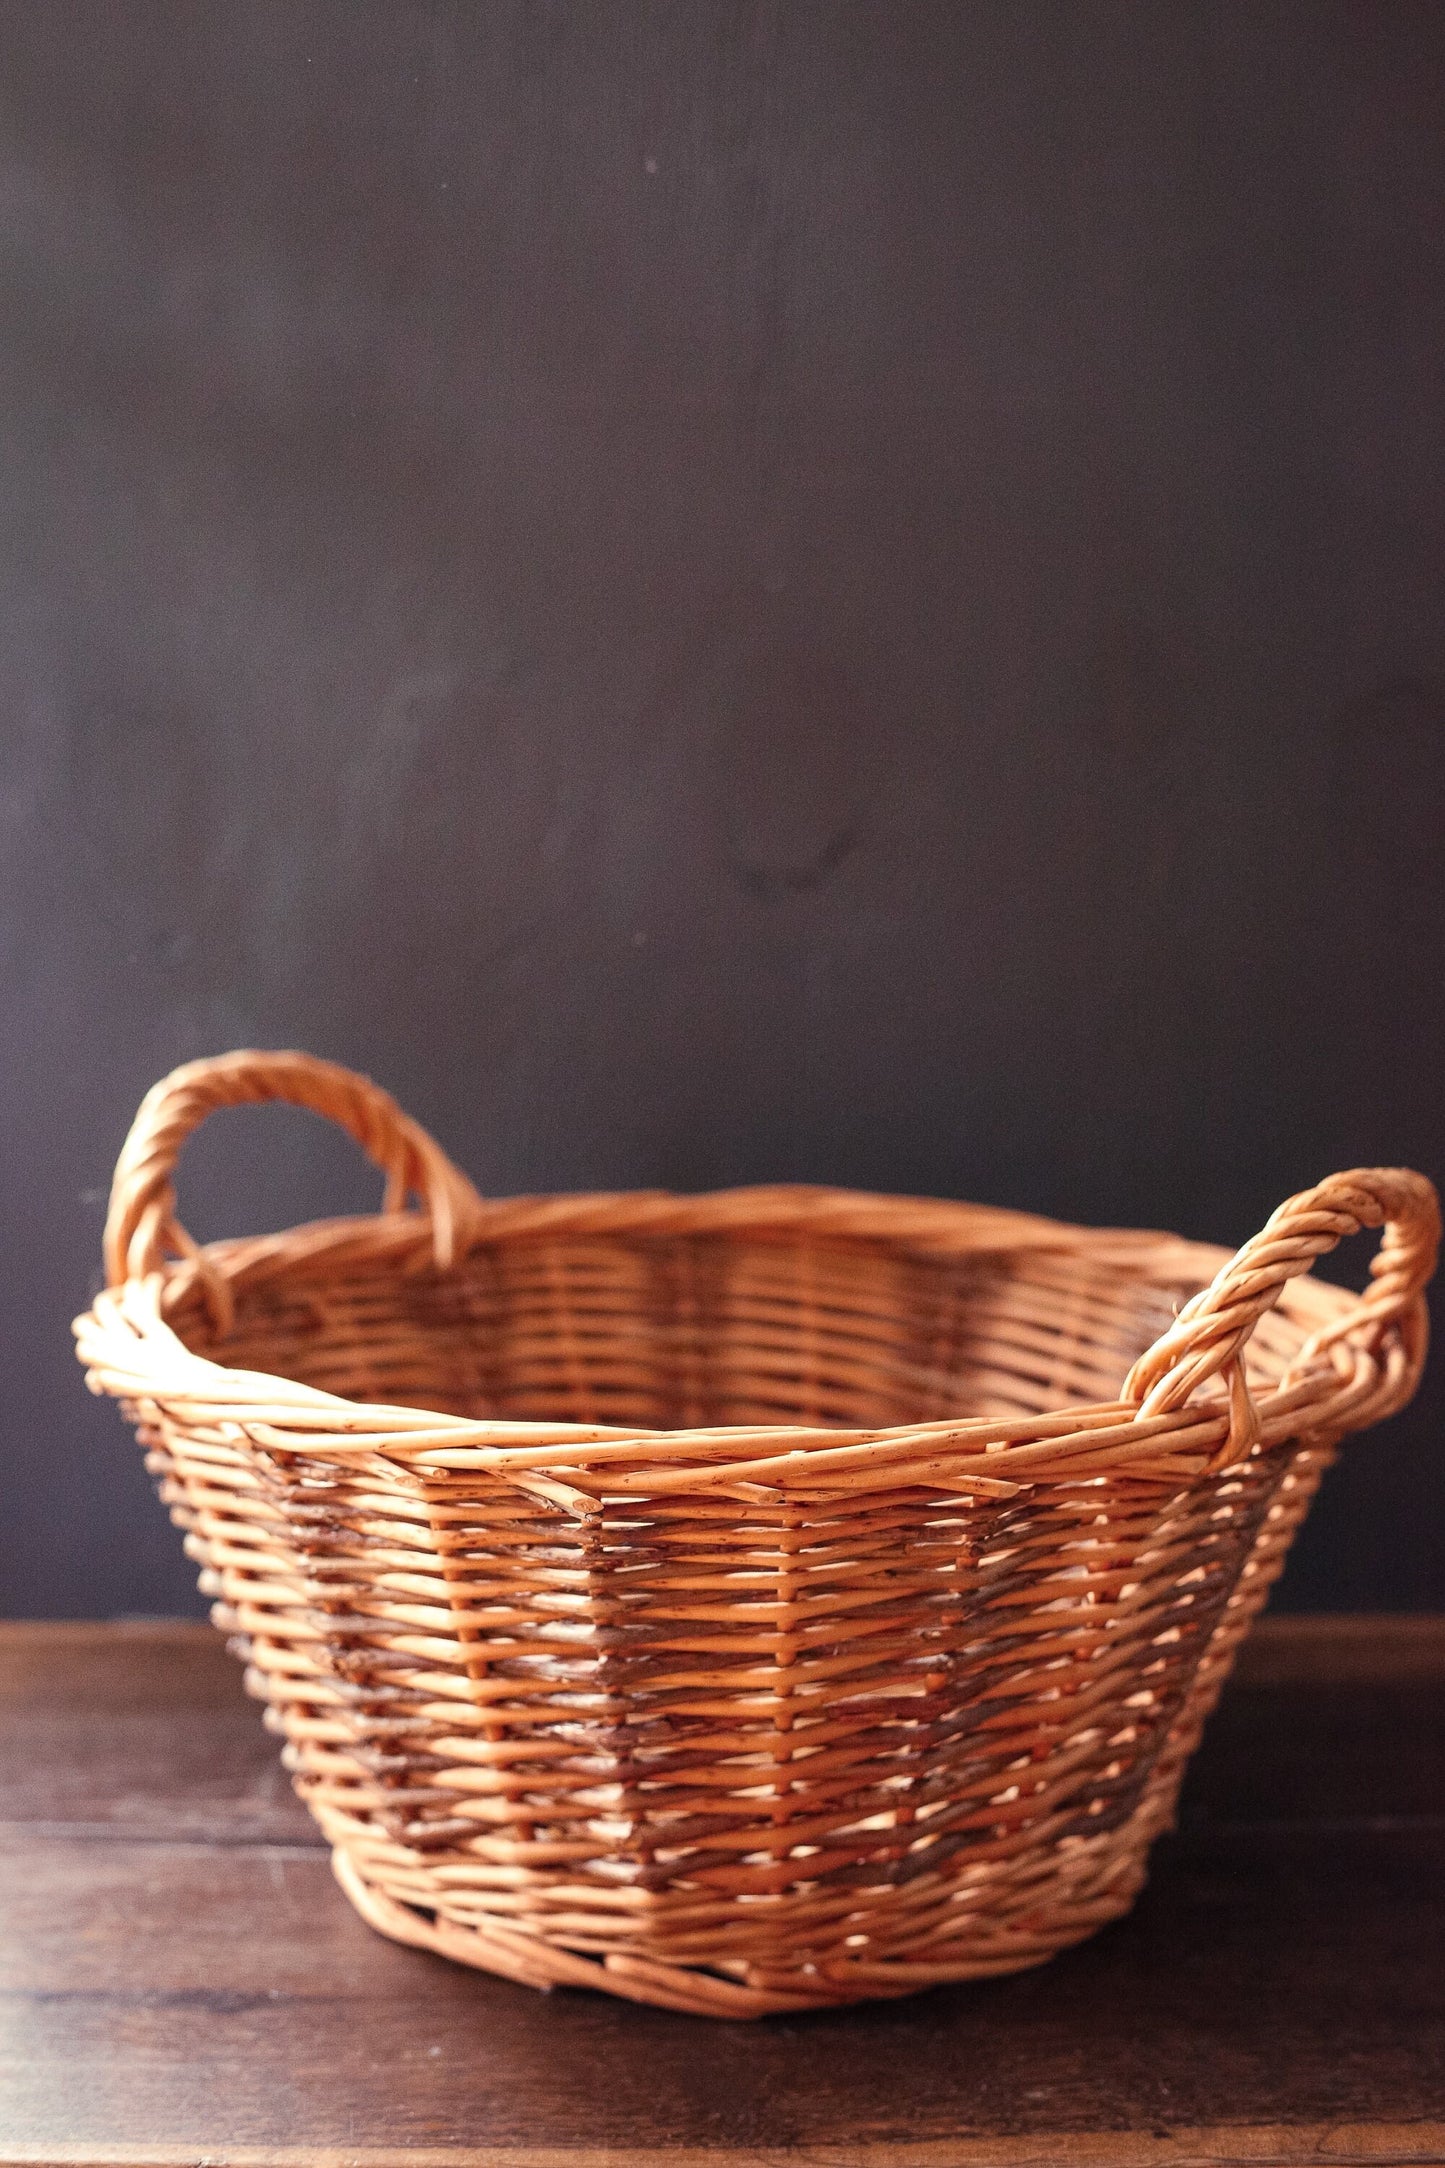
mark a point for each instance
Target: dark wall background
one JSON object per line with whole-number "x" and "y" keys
{"x": 716, "y": 592}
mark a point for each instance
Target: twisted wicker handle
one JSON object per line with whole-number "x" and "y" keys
{"x": 1209, "y": 1334}
{"x": 142, "y": 1229}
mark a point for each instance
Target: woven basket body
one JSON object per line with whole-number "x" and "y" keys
{"x": 743, "y": 1602}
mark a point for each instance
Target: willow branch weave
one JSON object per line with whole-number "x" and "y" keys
{"x": 743, "y": 1602}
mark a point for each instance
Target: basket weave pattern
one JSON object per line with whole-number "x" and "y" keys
{"x": 743, "y": 1602}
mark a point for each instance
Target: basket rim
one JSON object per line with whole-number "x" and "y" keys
{"x": 130, "y": 1350}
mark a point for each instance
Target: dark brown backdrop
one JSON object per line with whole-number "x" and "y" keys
{"x": 718, "y": 591}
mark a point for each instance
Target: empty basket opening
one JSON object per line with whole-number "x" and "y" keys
{"x": 701, "y": 1331}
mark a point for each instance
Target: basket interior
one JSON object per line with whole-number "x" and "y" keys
{"x": 695, "y": 1332}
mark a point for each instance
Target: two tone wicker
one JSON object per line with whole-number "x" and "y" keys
{"x": 743, "y": 1602}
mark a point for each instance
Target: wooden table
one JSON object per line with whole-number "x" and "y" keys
{"x": 182, "y": 1982}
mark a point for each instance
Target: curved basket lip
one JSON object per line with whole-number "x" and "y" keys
{"x": 131, "y": 1351}
{"x": 929, "y": 1226}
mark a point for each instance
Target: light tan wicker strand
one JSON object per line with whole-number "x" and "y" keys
{"x": 745, "y": 1602}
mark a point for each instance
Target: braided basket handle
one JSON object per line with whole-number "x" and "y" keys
{"x": 1209, "y": 1334}
{"x": 142, "y": 1230}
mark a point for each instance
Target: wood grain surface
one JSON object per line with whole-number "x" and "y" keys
{"x": 182, "y": 1983}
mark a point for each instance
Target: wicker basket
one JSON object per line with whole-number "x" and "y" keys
{"x": 742, "y": 1602}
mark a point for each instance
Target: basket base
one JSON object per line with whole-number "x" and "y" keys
{"x": 534, "y": 1963}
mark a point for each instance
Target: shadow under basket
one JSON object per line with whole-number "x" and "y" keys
{"x": 746, "y": 1602}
